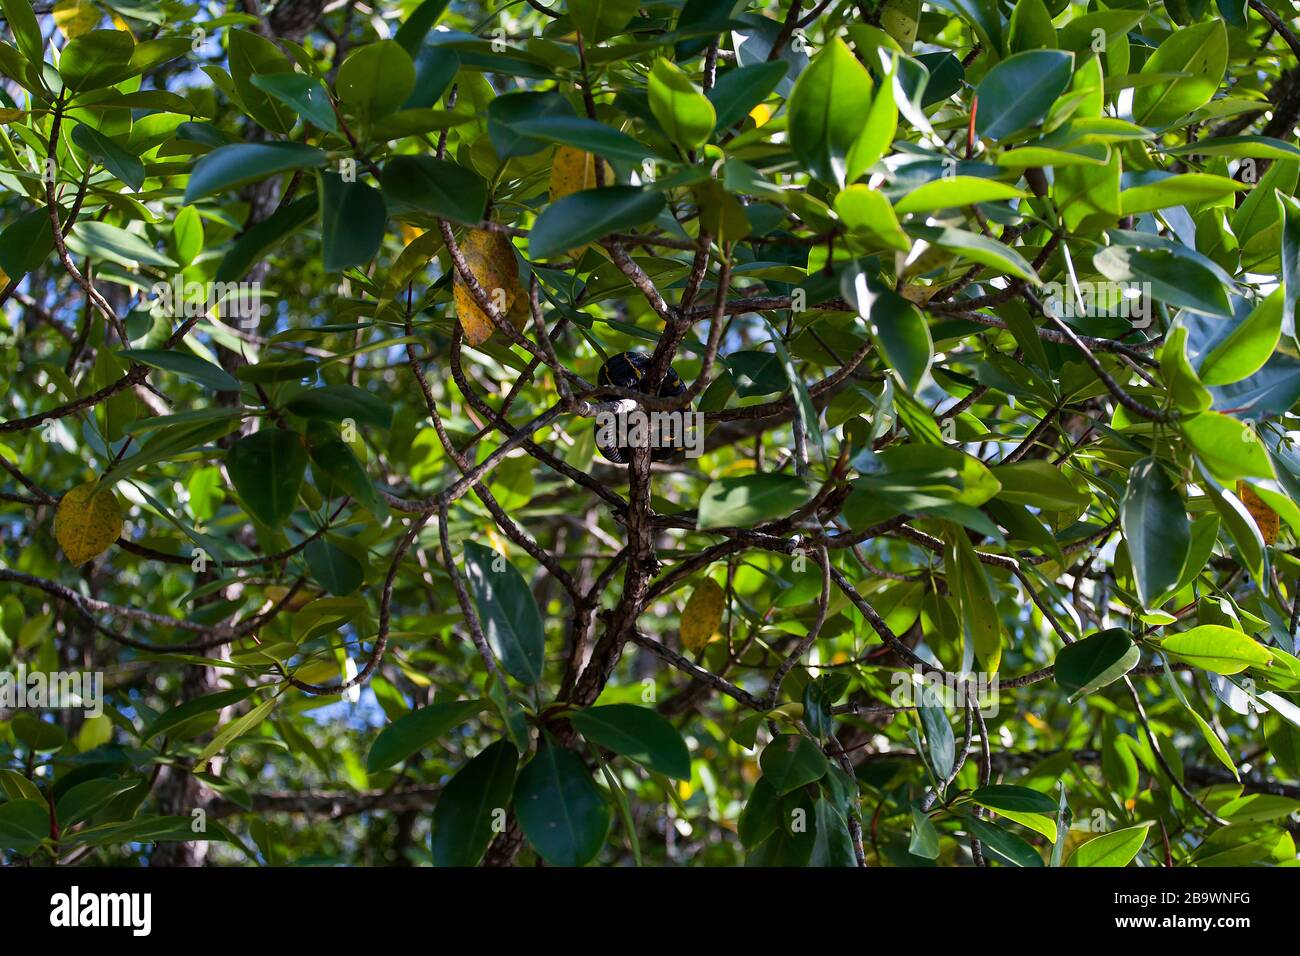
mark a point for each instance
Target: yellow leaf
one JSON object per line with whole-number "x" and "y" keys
{"x": 491, "y": 260}
{"x": 75, "y": 17}
{"x": 702, "y": 615}
{"x": 573, "y": 170}
{"x": 1266, "y": 519}
{"x": 88, "y": 521}
{"x": 760, "y": 114}
{"x": 410, "y": 233}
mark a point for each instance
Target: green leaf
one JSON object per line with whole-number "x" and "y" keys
{"x": 637, "y": 733}
{"x": 187, "y": 366}
{"x": 1004, "y": 797}
{"x": 167, "y": 722}
{"x": 1174, "y": 279}
{"x": 468, "y": 809}
{"x": 27, "y": 30}
{"x": 1156, "y": 529}
{"x": 1005, "y": 844}
{"x": 411, "y": 34}
{"x": 333, "y": 459}
{"x": 187, "y": 234}
{"x": 267, "y": 468}
{"x": 1179, "y": 190}
{"x": 239, "y": 163}
{"x": 1039, "y": 485}
{"x": 1218, "y": 649}
{"x": 251, "y": 54}
{"x": 95, "y": 59}
{"x": 832, "y": 844}
{"x": 333, "y": 568}
{"x": 584, "y": 134}
{"x": 684, "y": 112}
{"x": 264, "y": 236}
{"x": 303, "y": 94}
{"x": 562, "y": 812}
{"x": 827, "y": 110}
{"x": 1018, "y": 92}
{"x": 414, "y": 731}
{"x": 436, "y": 187}
{"x": 738, "y": 91}
{"x": 23, "y": 825}
{"x": 232, "y": 731}
{"x": 36, "y": 734}
{"x": 598, "y": 20}
{"x": 99, "y": 239}
{"x": 924, "y": 841}
{"x": 953, "y": 191}
{"x": 940, "y": 746}
{"x": 980, "y": 622}
{"x": 1117, "y": 848}
{"x": 83, "y": 800}
{"x": 747, "y": 500}
{"x": 352, "y": 222}
{"x": 866, "y": 212}
{"x": 761, "y": 816}
{"x": 988, "y": 252}
{"x": 1244, "y": 350}
{"x": 1099, "y": 659}
{"x": 1194, "y": 58}
{"x": 878, "y": 132}
{"x": 376, "y": 79}
{"x": 511, "y": 621}
{"x": 791, "y": 761}
{"x": 26, "y": 242}
{"x": 591, "y": 214}
{"x": 122, "y": 163}
{"x": 337, "y": 403}
{"x": 1228, "y": 448}
{"x": 896, "y": 325}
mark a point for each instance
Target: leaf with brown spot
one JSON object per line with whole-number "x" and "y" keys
{"x": 88, "y": 521}
{"x": 1266, "y": 519}
{"x": 702, "y": 615}
{"x": 491, "y": 260}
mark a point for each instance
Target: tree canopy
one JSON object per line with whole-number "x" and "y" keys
{"x": 681, "y": 432}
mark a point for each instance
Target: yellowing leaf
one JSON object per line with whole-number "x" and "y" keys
{"x": 491, "y": 260}
{"x": 9, "y": 116}
{"x": 410, "y": 233}
{"x": 1266, "y": 519}
{"x": 573, "y": 170}
{"x": 760, "y": 114}
{"x": 87, "y": 523}
{"x": 75, "y": 17}
{"x": 702, "y": 615}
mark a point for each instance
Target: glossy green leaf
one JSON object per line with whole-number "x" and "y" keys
{"x": 507, "y": 611}
{"x": 471, "y": 805}
{"x": 416, "y": 730}
{"x": 562, "y": 812}
{"x": 637, "y": 733}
